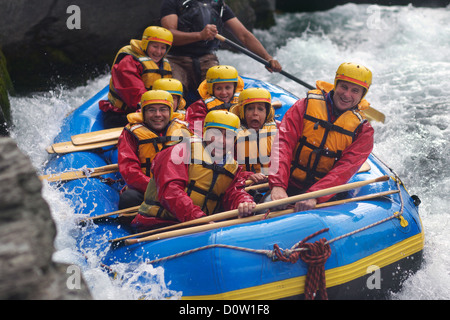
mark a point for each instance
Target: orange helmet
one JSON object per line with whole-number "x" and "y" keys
{"x": 157, "y": 97}
{"x": 354, "y": 73}
{"x": 252, "y": 95}
{"x": 156, "y": 34}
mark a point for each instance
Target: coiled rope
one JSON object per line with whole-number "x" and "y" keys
{"x": 314, "y": 255}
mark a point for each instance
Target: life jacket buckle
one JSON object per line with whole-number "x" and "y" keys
{"x": 316, "y": 125}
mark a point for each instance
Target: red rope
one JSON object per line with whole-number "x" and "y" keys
{"x": 315, "y": 255}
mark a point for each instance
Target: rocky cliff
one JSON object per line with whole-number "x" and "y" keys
{"x": 52, "y": 41}
{"x": 27, "y": 233}
{"x": 48, "y": 41}
{"x": 5, "y": 89}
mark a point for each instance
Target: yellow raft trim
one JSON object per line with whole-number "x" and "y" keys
{"x": 340, "y": 275}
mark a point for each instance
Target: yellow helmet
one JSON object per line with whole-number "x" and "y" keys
{"x": 171, "y": 85}
{"x": 174, "y": 87}
{"x": 222, "y": 119}
{"x": 354, "y": 73}
{"x": 157, "y": 97}
{"x": 252, "y": 95}
{"x": 157, "y": 34}
{"x": 218, "y": 74}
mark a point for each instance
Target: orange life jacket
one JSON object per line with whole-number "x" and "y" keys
{"x": 207, "y": 184}
{"x": 150, "y": 73}
{"x": 151, "y": 143}
{"x": 322, "y": 141}
{"x": 253, "y": 148}
{"x": 213, "y": 103}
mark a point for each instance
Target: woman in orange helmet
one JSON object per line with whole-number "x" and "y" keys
{"x": 134, "y": 70}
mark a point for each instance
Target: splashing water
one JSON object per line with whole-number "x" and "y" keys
{"x": 408, "y": 51}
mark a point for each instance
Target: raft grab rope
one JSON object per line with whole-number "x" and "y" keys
{"x": 286, "y": 252}
{"x": 319, "y": 252}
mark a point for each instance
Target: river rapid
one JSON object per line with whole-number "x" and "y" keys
{"x": 408, "y": 51}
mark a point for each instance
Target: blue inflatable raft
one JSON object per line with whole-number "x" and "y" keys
{"x": 374, "y": 242}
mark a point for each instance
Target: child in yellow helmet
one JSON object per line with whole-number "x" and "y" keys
{"x": 219, "y": 91}
{"x": 175, "y": 88}
{"x": 258, "y": 130}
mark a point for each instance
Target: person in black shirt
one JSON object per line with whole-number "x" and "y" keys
{"x": 194, "y": 24}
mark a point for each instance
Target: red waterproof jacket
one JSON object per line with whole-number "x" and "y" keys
{"x": 129, "y": 163}
{"x": 171, "y": 179}
{"x": 126, "y": 77}
{"x": 351, "y": 160}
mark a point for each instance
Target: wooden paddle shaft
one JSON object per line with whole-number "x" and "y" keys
{"x": 263, "y": 61}
{"x": 96, "y": 136}
{"x": 271, "y": 215}
{"x": 259, "y": 207}
{"x": 293, "y": 199}
{"x": 78, "y": 174}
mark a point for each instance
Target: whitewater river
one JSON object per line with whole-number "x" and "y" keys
{"x": 408, "y": 50}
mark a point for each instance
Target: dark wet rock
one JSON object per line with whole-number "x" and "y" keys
{"x": 27, "y": 234}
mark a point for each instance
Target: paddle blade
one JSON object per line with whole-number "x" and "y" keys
{"x": 97, "y": 136}
{"x": 79, "y": 174}
{"x": 374, "y": 114}
{"x": 67, "y": 147}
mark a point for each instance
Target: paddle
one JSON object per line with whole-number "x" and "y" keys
{"x": 132, "y": 211}
{"x": 374, "y": 114}
{"x": 371, "y": 113}
{"x": 87, "y": 141}
{"x": 248, "y": 183}
{"x": 123, "y": 212}
{"x": 270, "y": 215}
{"x": 263, "y": 206}
{"x": 67, "y": 147}
{"x": 97, "y": 136}
{"x": 78, "y": 174}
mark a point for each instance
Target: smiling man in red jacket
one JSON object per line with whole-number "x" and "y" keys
{"x": 147, "y": 133}
{"x": 323, "y": 139}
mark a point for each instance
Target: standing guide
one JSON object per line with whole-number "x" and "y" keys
{"x": 194, "y": 24}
